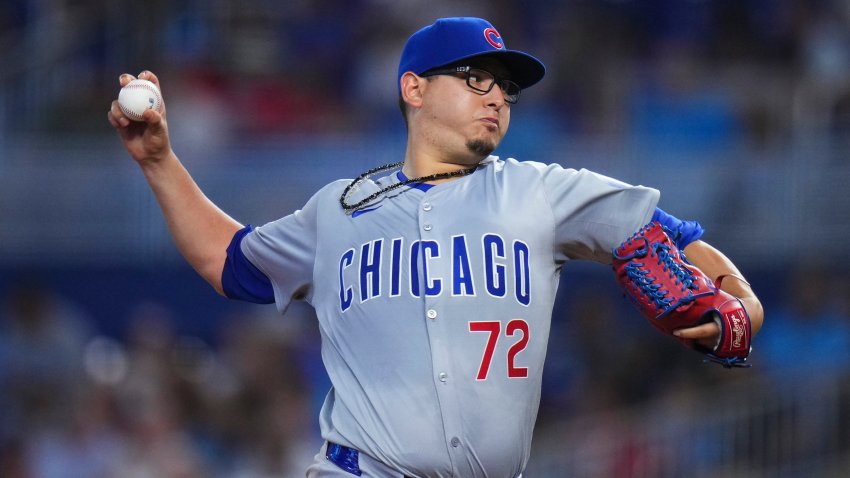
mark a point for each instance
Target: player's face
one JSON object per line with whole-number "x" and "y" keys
{"x": 468, "y": 122}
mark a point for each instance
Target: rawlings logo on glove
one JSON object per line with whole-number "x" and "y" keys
{"x": 674, "y": 294}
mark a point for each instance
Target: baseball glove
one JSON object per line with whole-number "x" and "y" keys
{"x": 673, "y": 294}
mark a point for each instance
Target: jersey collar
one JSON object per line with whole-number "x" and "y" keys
{"x": 419, "y": 186}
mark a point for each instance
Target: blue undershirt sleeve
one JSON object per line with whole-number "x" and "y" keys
{"x": 242, "y": 280}
{"x": 683, "y": 232}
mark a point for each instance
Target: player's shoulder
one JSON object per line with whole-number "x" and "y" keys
{"x": 327, "y": 192}
{"x": 528, "y": 167}
{"x": 353, "y": 191}
{"x": 554, "y": 169}
{"x": 335, "y": 187}
{"x": 322, "y": 201}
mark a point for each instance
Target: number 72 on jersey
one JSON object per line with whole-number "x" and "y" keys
{"x": 516, "y": 330}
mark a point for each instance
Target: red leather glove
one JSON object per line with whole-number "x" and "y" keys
{"x": 674, "y": 294}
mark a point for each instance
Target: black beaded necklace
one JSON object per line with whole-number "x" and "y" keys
{"x": 349, "y": 208}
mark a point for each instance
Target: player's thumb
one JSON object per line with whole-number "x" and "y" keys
{"x": 151, "y": 117}
{"x": 155, "y": 121}
{"x": 155, "y": 137}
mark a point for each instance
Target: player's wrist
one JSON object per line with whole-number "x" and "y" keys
{"x": 154, "y": 164}
{"x": 755, "y": 310}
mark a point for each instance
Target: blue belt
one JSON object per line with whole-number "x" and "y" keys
{"x": 344, "y": 457}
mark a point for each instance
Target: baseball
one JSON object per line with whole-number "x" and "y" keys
{"x": 137, "y": 96}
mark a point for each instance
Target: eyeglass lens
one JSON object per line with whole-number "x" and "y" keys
{"x": 483, "y": 80}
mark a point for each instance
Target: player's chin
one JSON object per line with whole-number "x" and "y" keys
{"x": 482, "y": 147}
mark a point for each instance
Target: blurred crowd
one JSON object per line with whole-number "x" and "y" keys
{"x": 697, "y": 73}
{"x": 151, "y": 403}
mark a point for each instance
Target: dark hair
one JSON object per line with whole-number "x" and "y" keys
{"x": 403, "y": 107}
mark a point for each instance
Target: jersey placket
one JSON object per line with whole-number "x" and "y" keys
{"x": 437, "y": 316}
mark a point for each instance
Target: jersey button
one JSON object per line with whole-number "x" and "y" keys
{"x": 455, "y": 442}
{"x": 431, "y": 314}
{"x": 426, "y": 206}
{"x": 427, "y": 227}
{"x": 443, "y": 376}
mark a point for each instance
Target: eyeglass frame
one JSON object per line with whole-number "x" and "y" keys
{"x": 467, "y": 70}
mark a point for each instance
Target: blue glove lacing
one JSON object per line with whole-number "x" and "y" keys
{"x": 682, "y": 275}
{"x": 647, "y": 286}
{"x": 728, "y": 362}
{"x": 640, "y": 278}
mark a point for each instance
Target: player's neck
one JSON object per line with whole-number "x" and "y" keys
{"x": 421, "y": 165}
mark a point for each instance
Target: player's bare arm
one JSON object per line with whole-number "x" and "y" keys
{"x": 199, "y": 228}
{"x": 715, "y": 264}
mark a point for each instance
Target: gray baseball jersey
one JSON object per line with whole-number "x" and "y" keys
{"x": 434, "y": 305}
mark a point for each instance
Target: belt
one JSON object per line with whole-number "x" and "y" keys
{"x": 346, "y": 458}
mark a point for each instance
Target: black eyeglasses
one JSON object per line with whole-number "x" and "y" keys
{"x": 481, "y": 81}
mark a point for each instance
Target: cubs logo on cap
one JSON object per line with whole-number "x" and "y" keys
{"x": 449, "y": 40}
{"x": 493, "y": 38}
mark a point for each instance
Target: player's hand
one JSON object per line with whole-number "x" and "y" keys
{"x": 705, "y": 334}
{"x": 146, "y": 141}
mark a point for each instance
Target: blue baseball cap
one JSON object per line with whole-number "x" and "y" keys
{"x": 450, "y": 40}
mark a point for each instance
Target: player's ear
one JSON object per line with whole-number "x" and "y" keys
{"x": 412, "y": 89}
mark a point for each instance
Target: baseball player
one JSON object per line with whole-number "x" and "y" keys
{"x": 434, "y": 278}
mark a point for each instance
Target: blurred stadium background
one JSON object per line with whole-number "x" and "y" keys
{"x": 116, "y": 360}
